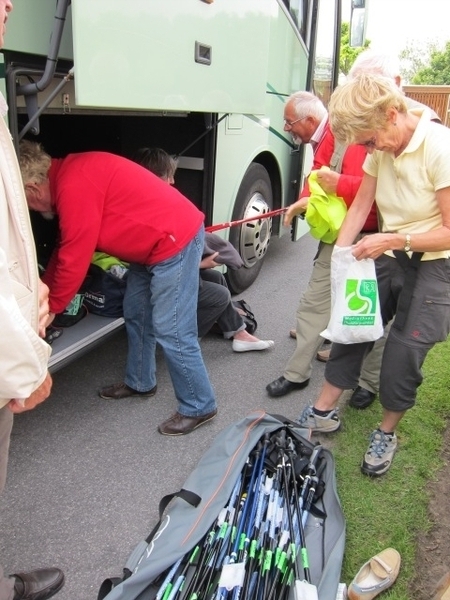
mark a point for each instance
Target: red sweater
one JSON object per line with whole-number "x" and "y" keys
{"x": 108, "y": 203}
{"x": 350, "y": 176}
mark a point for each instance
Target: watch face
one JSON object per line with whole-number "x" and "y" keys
{"x": 407, "y": 246}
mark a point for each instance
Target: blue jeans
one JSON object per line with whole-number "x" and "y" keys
{"x": 160, "y": 305}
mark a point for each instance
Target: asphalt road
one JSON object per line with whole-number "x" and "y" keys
{"x": 86, "y": 475}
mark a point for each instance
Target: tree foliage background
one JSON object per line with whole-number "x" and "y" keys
{"x": 437, "y": 72}
{"x": 421, "y": 62}
{"x": 425, "y": 63}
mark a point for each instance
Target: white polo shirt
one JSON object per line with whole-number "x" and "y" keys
{"x": 407, "y": 184}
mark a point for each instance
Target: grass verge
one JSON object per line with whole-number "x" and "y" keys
{"x": 391, "y": 510}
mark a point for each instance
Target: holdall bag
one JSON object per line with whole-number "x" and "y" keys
{"x": 73, "y": 313}
{"x": 104, "y": 292}
{"x": 250, "y": 321}
{"x": 226, "y": 498}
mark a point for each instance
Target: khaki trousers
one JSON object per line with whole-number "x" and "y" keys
{"x": 313, "y": 314}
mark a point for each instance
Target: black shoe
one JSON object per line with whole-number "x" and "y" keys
{"x": 281, "y": 386}
{"x": 37, "y": 585}
{"x": 361, "y": 398}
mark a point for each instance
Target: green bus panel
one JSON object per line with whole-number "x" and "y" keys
{"x": 30, "y": 26}
{"x": 141, "y": 54}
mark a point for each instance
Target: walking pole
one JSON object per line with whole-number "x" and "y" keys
{"x": 234, "y": 538}
{"x": 314, "y": 482}
{"x": 301, "y": 531}
{"x": 168, "y": 579}
{"x": 255, "y": 544}
{"x": 243, "y": 551}
{"x": 179, "y": 583}
{"x": 267, "y": 215}
{"x": 305, "y": 590}
{"x": 210, "y": 582}
{"x": 269, "y": 554}
{"x": 197, "y": 582}
{"x": 280, "y": 562}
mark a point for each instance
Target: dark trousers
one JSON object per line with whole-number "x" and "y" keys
{"x": 215, "y": 306}
{"x": 427, "y": 322}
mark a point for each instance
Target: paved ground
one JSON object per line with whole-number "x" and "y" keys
{"x": 86, "y": 475}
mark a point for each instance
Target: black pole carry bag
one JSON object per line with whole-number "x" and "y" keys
{"x": 259, "y": 518}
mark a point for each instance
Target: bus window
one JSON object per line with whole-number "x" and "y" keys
{"x": 358, "y": 23}
{"x": 298, "y": 11}
{"x": 323, "y": 70}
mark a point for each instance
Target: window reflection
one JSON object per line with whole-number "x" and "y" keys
{"x": 325, "y": 48}
{"x": 298, "y": 11}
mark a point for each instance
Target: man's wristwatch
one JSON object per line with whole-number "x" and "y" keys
{"x": 407, "y": 246}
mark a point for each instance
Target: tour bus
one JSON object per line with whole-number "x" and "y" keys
{"x": 204, "y": 79}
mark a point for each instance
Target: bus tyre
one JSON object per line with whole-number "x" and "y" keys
{"x": 251, "y": 239}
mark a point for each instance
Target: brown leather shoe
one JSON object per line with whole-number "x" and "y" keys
{"x": 323, "y": 355}
{"x": 37, "y": 585}
{"x": 117, "y": 391}
{"x": 293, "y": 334}
{"x": 181, "y": 425}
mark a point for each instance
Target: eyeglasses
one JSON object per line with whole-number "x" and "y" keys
{"x": 290, "y": 123}
{"x": 369, "y": 144}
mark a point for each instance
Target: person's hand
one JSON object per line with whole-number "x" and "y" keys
{"x": 38, "y": 396}
{"x": 45, "y": 316}
{"x": 372, "y": 246}
{"x": 295, "y": 209}
{"x": 208, "y": 262}
{"x": 328, "y": 180}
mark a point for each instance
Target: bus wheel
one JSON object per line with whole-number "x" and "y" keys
{"x": 251, "y": 239}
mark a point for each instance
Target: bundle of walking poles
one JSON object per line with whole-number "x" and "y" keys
{"x": 256, "y": 548}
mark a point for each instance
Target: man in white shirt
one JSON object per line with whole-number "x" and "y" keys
{"x": 24, "y": 378}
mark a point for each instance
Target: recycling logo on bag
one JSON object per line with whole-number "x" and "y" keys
{"x": 361, "y": 298}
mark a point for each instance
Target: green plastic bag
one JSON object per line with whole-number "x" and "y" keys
{"x": 325, "y": 212}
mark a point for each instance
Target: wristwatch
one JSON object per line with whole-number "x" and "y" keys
{"x": 407, "y": 246}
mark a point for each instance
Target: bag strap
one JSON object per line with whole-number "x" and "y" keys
{"x": 244, "y": 306}
{"x": 108, "y": 585}
{"x": 190, "y": 497}
{"x": 410, "y": 266}
{"x": 337, "y": 157}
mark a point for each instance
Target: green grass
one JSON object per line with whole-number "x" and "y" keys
{"x": 391, "y": 510}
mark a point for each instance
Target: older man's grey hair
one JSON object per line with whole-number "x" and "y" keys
{"x": 306, "y": 104}
{"x": 370, "y": 62}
